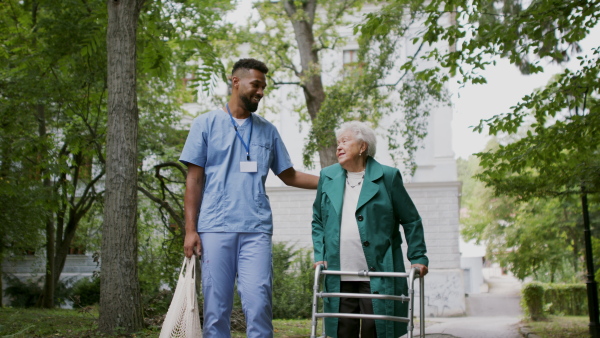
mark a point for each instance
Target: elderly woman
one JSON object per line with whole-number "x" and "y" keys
{"x": 359, "y": 207}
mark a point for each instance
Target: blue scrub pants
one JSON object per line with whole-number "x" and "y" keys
{"x": 249, "y": 257}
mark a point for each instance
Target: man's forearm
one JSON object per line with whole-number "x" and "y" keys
{"x": 193, "y": 197}
{"x": 191, "y": 207}
{"x": 306, "y": 181}
{"x": 299, "y": 179}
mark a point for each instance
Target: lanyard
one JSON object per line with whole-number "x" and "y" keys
{"x": 246, "y": 145}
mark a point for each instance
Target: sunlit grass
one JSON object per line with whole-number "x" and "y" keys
{"x": 560, "y": 327}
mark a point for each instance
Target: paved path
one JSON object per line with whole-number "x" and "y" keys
{"x": 473, "y": 327}
{"x": 494, "y": 314}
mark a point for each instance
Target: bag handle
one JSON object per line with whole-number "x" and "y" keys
{"x": 183, "y": 267}
{"x": 190, "y": 279}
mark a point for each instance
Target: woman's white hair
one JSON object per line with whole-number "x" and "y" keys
{"x": 361, "y": 132}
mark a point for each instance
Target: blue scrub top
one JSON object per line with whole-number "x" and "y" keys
{"x": 234, "y": 201}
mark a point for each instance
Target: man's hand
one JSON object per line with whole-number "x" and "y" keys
{"x": 422, "y": 269}
{"x": 192, "y": 244}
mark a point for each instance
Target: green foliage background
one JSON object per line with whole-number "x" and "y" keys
{"x": 539, "y": 237}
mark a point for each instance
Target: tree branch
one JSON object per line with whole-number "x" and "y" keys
{"x": 276, "y": 83}
{"x": 287, "y": 65}
{"x": 405, "y": 72}
{"x": 163, "y": 204}
{"x": 89, "y": 187}
{"x": 178, "y": 166}
{"x": 338, "y": 15}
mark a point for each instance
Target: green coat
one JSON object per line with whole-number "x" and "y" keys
{"x": 383, "y": 206}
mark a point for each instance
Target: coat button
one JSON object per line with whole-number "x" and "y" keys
{"x": 366, "y": 243}
{"x": 360, "y": 218}
{"x": 371, "y": 269}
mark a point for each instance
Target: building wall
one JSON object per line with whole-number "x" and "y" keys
{"x": 473, "y": 272}
{"x": 31, "y": 268}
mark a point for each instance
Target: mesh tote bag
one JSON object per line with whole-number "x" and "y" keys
{"x": 183, "y": 318}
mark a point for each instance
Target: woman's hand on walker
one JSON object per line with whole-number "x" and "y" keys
{"x": 422, "y": 269}
{"x": 324, "y": 263}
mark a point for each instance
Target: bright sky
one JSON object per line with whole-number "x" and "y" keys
{"x": 505, "y": 87}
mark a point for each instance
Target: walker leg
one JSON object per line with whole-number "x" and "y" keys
{"x": 422, "y": 307}
{"x": 313, "y": 330}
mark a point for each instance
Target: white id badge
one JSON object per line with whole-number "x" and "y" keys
{"x": 248, "y": 167}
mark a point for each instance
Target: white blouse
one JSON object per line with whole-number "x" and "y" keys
{"x": 352, "y": 256}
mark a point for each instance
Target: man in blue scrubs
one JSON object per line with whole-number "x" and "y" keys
{"x": 228, "y": 218}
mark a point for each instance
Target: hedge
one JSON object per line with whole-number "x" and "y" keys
{"x": 541, "y": 299}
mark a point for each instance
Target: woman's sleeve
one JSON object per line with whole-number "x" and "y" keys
{"x": 410, "y": 220}
{"x": 318, "y": 228}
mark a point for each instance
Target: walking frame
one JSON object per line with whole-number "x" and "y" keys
{"x": 411, "y": 275}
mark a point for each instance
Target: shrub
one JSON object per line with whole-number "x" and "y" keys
{"x": 292, "y": 285}
{"x": 566, "y": 299}
{"x": 86, "y": 291}
{"x": 541, "y": 299}
{"x": 22, "y": 294}
{"x": 293, "y": 278}
{"x": 533, "y": 300}
{"x": 26, "y": 293}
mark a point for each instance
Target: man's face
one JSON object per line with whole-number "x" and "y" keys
{"x": 251, "y": 85}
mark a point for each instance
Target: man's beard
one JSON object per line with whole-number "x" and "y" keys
{"x": 248, "y": 104}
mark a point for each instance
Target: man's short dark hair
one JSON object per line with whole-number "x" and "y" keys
{"x": 250, "y": 64}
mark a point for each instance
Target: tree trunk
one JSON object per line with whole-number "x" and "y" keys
{"x": 310, "y": 75}
{"x": 1, "y": 270}
{"x": 63, "y": 245}
{"x": 120, "y": 304}
{"x": 64, "y": 235}
{"x": 47, "y": 297}
{"x": 591, "y": 285}
{"x": 4, "y": 168}
{"x": 576, "y": 255}
{"x": 51, "y": 277}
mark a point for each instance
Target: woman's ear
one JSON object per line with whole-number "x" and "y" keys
{"x": 363, "y": 148}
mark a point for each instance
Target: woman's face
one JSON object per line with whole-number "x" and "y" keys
{"x": 348, "y": 149}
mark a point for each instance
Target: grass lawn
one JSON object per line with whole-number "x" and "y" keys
{"x": 563, "y": 327}
{"x": 21, "y": 323}
{"x": 289, "y": 328}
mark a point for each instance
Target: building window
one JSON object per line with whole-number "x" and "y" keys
{"x": 350, "y": 56}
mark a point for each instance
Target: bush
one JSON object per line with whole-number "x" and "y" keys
{"x": 542, "y": 299}
{"x": 26, "y": 293}
{"x": 86, "y": 291}
{"x": 566, "y": 299}
{"x": 157, "y": 303}
{"x": 22, "y": 294}
{"x": 533, "y": 300}
{"x": 293, "y": 278}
